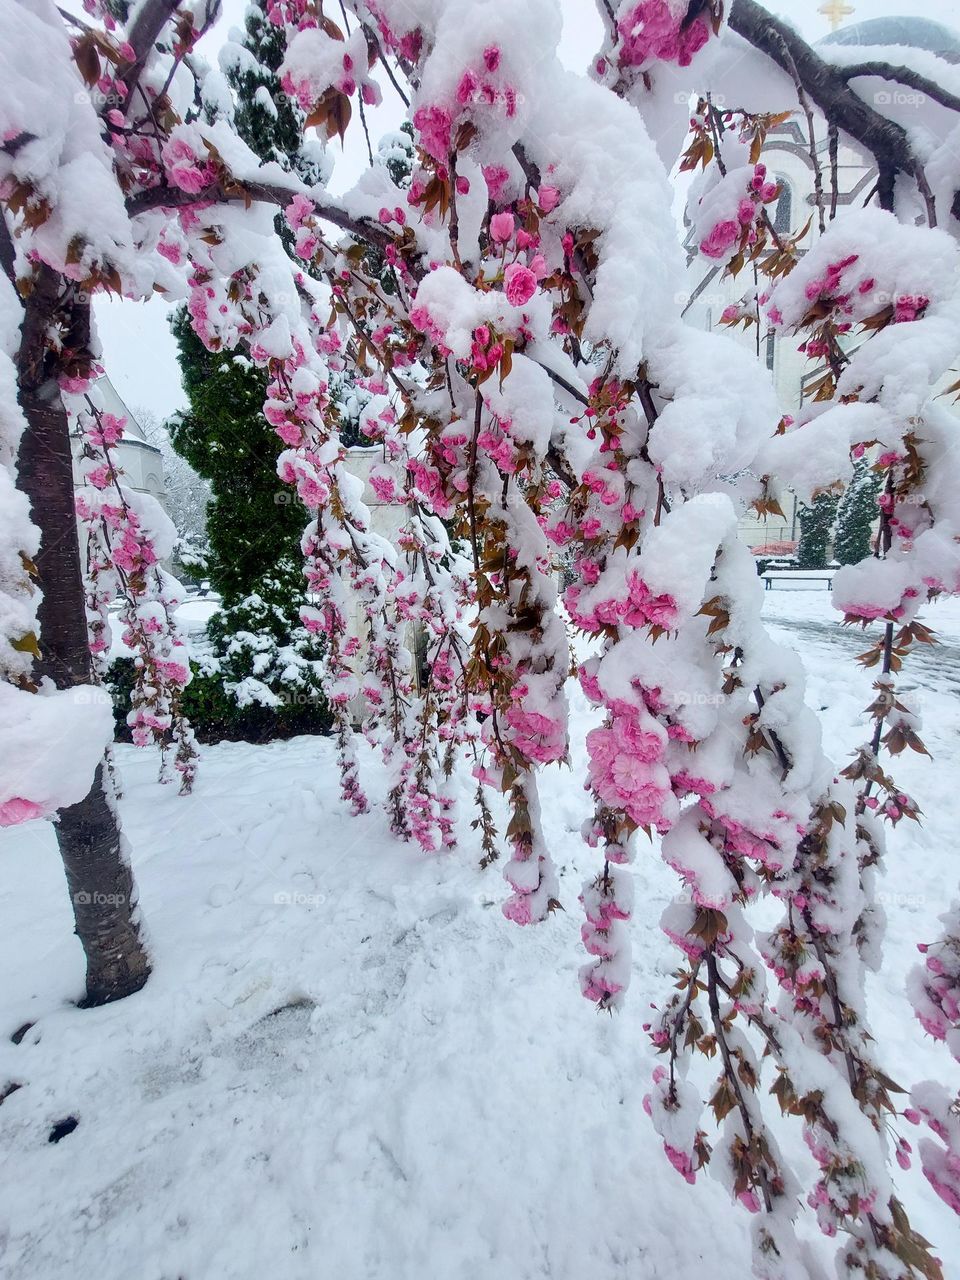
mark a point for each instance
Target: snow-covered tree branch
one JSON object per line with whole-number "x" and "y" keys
{"x": 513, "y": 322}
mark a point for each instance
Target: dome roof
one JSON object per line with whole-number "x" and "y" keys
{"x": 916, "y": 33}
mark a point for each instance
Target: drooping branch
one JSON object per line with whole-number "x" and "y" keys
{"x": 902, "y": 75}
{"x": 146, "y": 27}
{"x": 7, "y": 254}
{"x": 166, "y": 197}
{"x": 827, "y": 86}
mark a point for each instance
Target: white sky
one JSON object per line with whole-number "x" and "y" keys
{"x": 139, "y": 350}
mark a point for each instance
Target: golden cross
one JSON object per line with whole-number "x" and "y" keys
{"x": 835, "y": 11}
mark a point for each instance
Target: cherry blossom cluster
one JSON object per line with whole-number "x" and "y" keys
{"x": 730, "y": 849}
{"x": 752, "y": 191}
{"x": 334, "y": 549}
{"x": 642, "y": 34}
{"x": 127, "y": 538}
{"x": 322, "y": 63}
{"x": 428, "y": 593}
{"x": 885, "y": 277}
{"x": 509, "y": 328}
{"x": 935, "y": 991}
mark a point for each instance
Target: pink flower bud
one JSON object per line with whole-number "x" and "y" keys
{"x": 548, "y": 198}
{"x": 501, "y": 227}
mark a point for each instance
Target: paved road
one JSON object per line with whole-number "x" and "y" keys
{"x": 928, "y": 664}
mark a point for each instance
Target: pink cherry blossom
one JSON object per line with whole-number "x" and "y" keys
{"x": 501, "y": 227}
{"x": 520, "y": 284}
{"x": 17, "y": 810}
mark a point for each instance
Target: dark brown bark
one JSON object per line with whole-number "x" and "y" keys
{"x": 103, "y": 896}
{"x": 903, "y": 75}
{"x": 827, "y": 86}
{"x": 150, "y": 20}
{"x": 173, "y": 198}
{"x": 99, "y": 878}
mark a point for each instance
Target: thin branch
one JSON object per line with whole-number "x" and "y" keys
{"x": 173, "y": 198}
{"x": 812, "y": 138}
{"x": 730, "y": 1072}
{"x": 924, "y": 188}
{"x": 7, "y": 252}
{"x": 390, "y": 73}
{"x": 826, "y": 86}
{"x": 834, "y": 135}
{"x": 903, "y": 75}
{"x": 363, "y": 115}
{"x": 565, "y": 385}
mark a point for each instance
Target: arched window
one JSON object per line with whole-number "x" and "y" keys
{"x": 783, "y": 214}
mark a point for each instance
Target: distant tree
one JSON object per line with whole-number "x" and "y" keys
{"x": 253, "y": 528}
{"x": 856, "y": 515}
{"x": 186, "y": 494}
{"x": 396, "y": 151}
{"x": 816, "y": 521}
{"x": 250, "y": 524}
{"x": 269, "y": 120}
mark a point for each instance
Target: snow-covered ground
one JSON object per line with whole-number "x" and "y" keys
{"x": 347, "y": 1064}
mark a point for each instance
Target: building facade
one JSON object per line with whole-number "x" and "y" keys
{"x": 787, "y": 155}
{"x": 141, "y": 461}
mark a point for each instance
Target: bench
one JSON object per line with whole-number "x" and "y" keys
{"x": 788, "y": 575}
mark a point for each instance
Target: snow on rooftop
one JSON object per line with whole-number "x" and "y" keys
{"x": 915, "y": 33}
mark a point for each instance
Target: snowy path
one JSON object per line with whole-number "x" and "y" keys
{"x": 347, "y": 1065}
{"x": 937, "y": 664}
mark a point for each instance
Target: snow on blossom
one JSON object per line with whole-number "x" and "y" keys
{"x": 53, "y": 742}
{"x": 869, "y": 265}
{"x": 523, "y": 404}
{"x": 187, "y": 160}
{"x": 677, "y": 555}
{"x": 699, "y": 862}
{"x": 658, "y": 30}
{"x": 449, "y": 310}
{"x": 66, "y": 160}
{"x": 480, "y": 72}
{"x": 730, "y": 208}
{"x": 519, "y": 283}
{"x": 315, "y": 62}
{"x": 612, "y": 179}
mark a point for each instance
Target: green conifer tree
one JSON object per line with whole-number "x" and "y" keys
{"x": 260, "y": 651}
{"x": 816, "y": 522}
{"x": 268, "y": 120}
{"x": 856, "y": 515}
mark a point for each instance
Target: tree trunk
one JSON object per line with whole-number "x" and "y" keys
{"x": 99, "y": 878}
